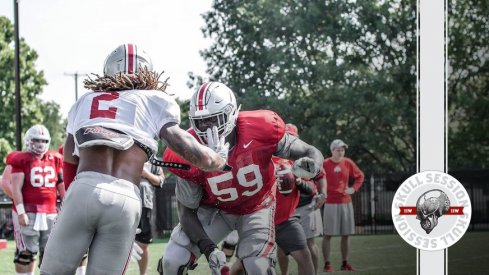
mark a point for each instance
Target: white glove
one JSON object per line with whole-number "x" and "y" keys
{"x": 217, "y": 260}
{"x": 136, "y": 252}
{"x": 216, "y": 143}
{"x": 305, "y": 168}
{"x": 350, "y": 190}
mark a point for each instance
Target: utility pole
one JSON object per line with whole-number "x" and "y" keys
{"x": 75, "y": 75}
{"x": 18, "y": 120}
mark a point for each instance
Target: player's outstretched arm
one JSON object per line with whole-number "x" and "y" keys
{"x": 187, "y": 146}
{"x": 308, "y": 159}
{"x": 300, "y": 149}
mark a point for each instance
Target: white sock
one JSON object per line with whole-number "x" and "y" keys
{"x": 81, "y": 270}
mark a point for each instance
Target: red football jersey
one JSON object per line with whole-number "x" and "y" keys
{"x": 250, "y": 185}
{"x": 286, "y": 203}
{"x": 338, "y": 175}
{"x": 41, "y": 177}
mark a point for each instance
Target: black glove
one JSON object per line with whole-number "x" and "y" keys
{"x": 206, "y": 246}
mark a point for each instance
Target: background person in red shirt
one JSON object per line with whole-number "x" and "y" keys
{"x": 338, "y": 210}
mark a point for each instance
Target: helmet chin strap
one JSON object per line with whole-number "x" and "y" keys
{"x": 231, "y": 138}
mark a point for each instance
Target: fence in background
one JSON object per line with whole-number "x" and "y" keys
{"x": 372, "y": 205}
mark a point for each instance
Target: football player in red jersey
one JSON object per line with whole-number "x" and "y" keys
{"x": 36, "y": 181}
{"x": 212, "y": 204}
{"x": 316, "y": 191}
{"x": 289, "y": 234}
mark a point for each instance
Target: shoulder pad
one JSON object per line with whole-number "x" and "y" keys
{"x": 16, "y": 158}
{"x": 253, "y": 122}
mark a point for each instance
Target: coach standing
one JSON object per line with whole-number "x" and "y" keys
{"x": 338, "y": 216}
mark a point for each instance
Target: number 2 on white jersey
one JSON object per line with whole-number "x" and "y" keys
{"x": 231, "y": 194}
{"x": 38, "y": 179}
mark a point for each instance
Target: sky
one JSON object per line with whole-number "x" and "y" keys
{"x": 75, "y": 36}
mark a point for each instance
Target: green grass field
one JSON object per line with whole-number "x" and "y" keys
{"x": 370, "y": 254}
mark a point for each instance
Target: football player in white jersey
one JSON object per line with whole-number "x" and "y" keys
{"x": 112, "y": 132}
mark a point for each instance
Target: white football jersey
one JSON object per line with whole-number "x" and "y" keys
{"x": 139, "y": 113}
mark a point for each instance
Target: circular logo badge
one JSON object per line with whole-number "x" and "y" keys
{"x": 431, "y": 210}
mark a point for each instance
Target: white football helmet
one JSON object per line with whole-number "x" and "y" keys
{"x": 126, "y": 59}
{"x": 213, "y": 102}
{"x": 37, "y": 139}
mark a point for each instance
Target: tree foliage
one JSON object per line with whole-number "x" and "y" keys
{"x": 468, "y": 84}
{"x": 337, "y": 69}
{"x": 33, "y": 110}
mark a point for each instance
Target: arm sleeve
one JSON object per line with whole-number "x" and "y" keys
{"x": 189, "y": 194}
{"x": 357, "y": 175}
{"x": 283, "y": 148}
{"x": 170, "y": 110}
{"x": 17, "y": 164}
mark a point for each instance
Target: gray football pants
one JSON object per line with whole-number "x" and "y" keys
{"x": 100, "y": 213}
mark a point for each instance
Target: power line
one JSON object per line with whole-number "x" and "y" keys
{"x": 76, "y": 75}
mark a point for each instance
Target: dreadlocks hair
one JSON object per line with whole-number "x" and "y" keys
{"x": 143, "y": 79}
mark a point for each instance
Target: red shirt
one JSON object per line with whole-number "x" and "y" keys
{"x": 250, "y": 185}
{"x": 338, "y": 175}
{"x": 40, "y": 180}
{"x": 286, "y": 203}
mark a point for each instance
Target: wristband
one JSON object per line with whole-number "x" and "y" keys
{"x": 20, "y": 209}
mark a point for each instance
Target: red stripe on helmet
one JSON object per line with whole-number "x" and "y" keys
{"x": 130, "y": 58}
{"x": 201, "y": 96}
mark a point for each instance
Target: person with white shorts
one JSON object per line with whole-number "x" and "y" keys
{"x": 338, "y": 216}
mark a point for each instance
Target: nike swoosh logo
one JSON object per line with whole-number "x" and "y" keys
{"x": 247, "y": 144}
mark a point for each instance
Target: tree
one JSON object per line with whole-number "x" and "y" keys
{"x": 32, "y": 82}
{"x": 54, "y": 122}
{"x": 336, "y": 69}
{"x": 468, "y": 84}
